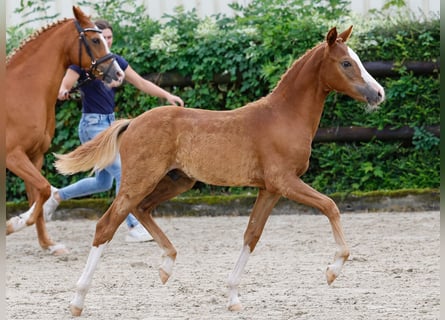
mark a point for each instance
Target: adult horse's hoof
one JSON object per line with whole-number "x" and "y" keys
{"x": 75, "y": 311}
{"x": 15, "y": 224}
{"x": 9, "y": 227}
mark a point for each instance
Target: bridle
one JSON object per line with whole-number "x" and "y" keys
{"x": 93, "y": 72}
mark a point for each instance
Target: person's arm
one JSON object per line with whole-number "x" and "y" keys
{"x": 68, "y": 82}
{"x": 149, "y": 87}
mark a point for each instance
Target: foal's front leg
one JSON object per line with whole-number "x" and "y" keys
{"x": 303, "y": 193}
{"x": 261, "y": 211}
{"x": 105, "y": 229}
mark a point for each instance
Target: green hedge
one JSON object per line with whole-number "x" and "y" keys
{"x": 255, "y": 48}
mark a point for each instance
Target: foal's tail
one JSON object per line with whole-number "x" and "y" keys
{"x": 96, "y": 154}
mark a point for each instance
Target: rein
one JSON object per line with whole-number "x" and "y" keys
{"x": 93, "y": 71}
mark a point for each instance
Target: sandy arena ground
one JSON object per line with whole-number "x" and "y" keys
{"x": 392, "y": 273}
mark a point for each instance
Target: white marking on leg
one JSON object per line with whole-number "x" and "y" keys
{"x": 17, "y": 223}
{"x": 167, "y": 264}
{"x": 25, "y": 215}
{"x": 235, "y": 279}
{"x": 334, "y": 269}
{"x": 84, "y": 282}
{"x": 336, "y": 266}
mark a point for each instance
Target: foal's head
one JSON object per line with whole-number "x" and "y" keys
{"x": 92, "y": 52}
{"x": 343, "y": 71}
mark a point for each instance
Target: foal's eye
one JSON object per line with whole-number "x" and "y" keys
{"x": 346, "y": 64}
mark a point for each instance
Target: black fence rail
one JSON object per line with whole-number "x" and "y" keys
{"x": 356, "y": 134}
{"x": 375, "y": 68}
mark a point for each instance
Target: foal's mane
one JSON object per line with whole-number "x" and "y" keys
{"x": 299, "y": 63}
{"x": 34, "y": 36}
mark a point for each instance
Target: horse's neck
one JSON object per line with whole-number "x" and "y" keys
{"x": 43, "y": 60}
{"x": 299, "y": 94}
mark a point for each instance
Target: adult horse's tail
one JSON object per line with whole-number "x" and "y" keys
{"x": 96, "y": 154}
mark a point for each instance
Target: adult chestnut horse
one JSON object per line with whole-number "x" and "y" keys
{"x": 33, "y": 75}
{"x": 265, "y": 144}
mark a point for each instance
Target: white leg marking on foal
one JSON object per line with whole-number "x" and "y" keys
{"x": 333, "y": 270}
{"x": 166, "y": 268}
{"x": 167, "y": 264}
{"x": 84, "y": 282}
{"x": 234, "y": 280}
{"x": 336, "y": 266}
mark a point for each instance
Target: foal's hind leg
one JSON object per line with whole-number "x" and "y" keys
{"x": 171, "y": 185}
{"x": 110, "y": 221}
{"x": 105, "y": 230}
{"x": 261, "y": 211}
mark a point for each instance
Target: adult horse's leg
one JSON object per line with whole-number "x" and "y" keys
{"x": 261, "y": 211}
{"x": 33, "y": 194}
{"x": 174, "y": 183}
{"x": 40, "y": 190}
{"x": 105, "y": 229}
{"x": 303, "y": 193}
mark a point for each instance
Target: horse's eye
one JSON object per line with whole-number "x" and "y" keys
{"x": 346, "y": 64}
{"x": 95, "y": 40}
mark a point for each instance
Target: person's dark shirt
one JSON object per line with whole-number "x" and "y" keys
{"x": 96, "y": 96}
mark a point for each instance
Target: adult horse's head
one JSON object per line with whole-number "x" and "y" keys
{"x": 93, "y": 53}
{"x": 343, "y": 71}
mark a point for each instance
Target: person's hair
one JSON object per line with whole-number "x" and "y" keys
{"x": 103, "y": 24}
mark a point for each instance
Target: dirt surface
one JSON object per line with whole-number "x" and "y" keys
{"x": 392, "y": 273}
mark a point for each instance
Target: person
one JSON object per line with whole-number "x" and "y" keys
{"x": 97, "y": 114}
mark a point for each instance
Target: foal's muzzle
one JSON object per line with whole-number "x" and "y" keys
{"x": 373, "y": 95}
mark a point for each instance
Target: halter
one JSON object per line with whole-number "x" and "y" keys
{"x": 93, "y": 71}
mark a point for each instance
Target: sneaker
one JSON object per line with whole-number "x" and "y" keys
{"x": 138, "y": 234}
{"x": 50, "y": 206}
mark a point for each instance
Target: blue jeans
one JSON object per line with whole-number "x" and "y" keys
{"x": 90, "y": 125}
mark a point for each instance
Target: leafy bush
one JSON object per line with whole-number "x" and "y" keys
{"x": 253, "y": 49}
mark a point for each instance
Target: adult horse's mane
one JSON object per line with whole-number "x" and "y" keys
{"x": 33, "y": 36}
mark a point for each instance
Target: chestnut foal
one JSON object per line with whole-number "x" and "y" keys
{"x": 265, "y": 144}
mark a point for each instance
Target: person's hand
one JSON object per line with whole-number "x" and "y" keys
{"x": 63, "y": 94}
{"x": 175, "y": 100}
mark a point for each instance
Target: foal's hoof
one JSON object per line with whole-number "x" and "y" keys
{"x": 330, "y": 275}
{"x": 235, "y": 307}
{"x": 58, "y": 250}
{"x": 75, "y": 311}
{"x": 163, "y": 275}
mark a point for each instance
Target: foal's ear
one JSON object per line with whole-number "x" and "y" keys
{"x": 331, "y": 37}
{"x": 346, "y": 34}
